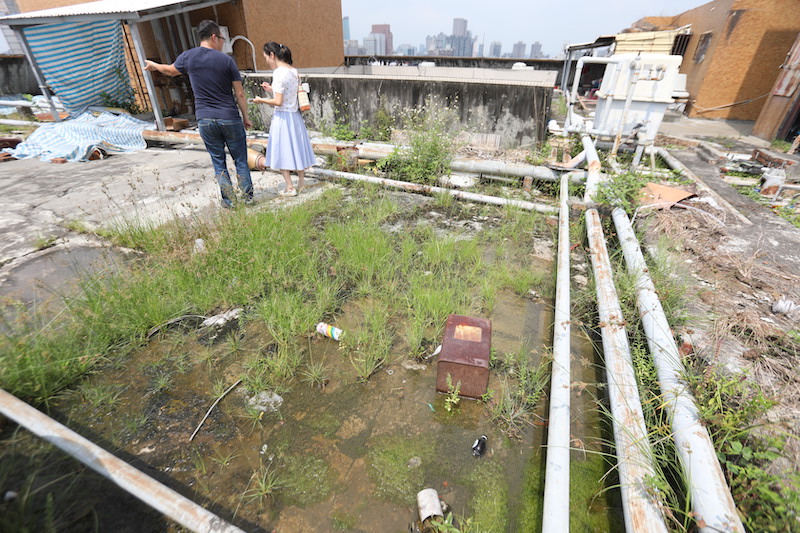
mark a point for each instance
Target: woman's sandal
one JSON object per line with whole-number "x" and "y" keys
{"x": 288, "y": 192}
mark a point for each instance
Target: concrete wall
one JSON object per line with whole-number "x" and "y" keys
{"x": 515, "y": 111}
{"x": 16, "y": 76}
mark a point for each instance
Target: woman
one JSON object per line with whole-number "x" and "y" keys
{"x": 289, "y": 147}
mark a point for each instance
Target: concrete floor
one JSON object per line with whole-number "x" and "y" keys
{"x": 700, "y": 128}
{"x": 42, "y": 204}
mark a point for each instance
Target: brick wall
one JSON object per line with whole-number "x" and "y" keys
{"x": 749, "y": 41}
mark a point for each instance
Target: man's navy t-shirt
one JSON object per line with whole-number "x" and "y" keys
{"x": 211, "y": 73}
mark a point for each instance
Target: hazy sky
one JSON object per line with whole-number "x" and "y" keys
{"x": 551, "y": 22}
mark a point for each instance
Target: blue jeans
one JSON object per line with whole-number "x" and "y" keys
{"x": 218, "y": 133}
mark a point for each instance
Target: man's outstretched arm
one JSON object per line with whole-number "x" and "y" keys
{"x": 168, "y": 70}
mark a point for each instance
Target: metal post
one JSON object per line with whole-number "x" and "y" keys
{"x": 178, "y": 21}
{"x": 714, "y": 509}
{"x": 165, "y": 500}
{"x": 148, "y": 78}
{"x": 555, "y": 514}
{"x": 26, "y": 49}
{"x": 189, "y": 35}
{"x": 161, "y": 41}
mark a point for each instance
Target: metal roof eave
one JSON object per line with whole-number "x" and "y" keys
{"x": 51, "y": 16}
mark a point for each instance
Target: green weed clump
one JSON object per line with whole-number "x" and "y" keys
{"x": 733, "y": 409}
{"x": 432, "y": 131}
{"x": 622, "y": 190}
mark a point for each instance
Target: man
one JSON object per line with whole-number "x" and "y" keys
{"x": 215, "y": 80}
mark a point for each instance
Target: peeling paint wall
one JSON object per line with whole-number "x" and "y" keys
{"x": 517, "y": 113}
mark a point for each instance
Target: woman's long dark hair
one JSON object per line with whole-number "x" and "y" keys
{"x": 281, "y": 52}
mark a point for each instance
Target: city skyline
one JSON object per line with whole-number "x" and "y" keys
{"x": 508, "y": 22}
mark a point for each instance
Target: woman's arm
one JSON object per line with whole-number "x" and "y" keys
{"x": 275, "y": 101}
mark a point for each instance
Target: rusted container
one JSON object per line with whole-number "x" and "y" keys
{"x": 465, "y": 355}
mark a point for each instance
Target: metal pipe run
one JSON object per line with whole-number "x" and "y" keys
{"x": 714, "y": 509}
{"x": 165, "y": 500}
{"x": 429, "y": 189}
{"x": 555, "y": 516}
{"x": 640, "y": 504}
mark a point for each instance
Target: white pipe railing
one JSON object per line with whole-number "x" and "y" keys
{"x": 165, "y": 500}
{"x": 555, "y": 516}
{"x": 430, "y": 189}
{"x": 712, "y": 503}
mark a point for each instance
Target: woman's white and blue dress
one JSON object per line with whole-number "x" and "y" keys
{"x": 289, "y": 147}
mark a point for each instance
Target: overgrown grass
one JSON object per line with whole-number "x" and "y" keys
{"x": 289, "y": 269}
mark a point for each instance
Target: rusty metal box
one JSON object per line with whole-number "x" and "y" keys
{"x": 465, "y": 355}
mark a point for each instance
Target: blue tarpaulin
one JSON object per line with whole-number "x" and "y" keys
{"x": 75, "y": 139}
{"x": 81, "y": 61}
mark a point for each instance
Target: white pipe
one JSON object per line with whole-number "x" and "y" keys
{"x": 633, "y": 78}
{"x": 593, "y": 176}
{"x": 714, "y": 509}
{"x": 252, "y": 48}
{"x": 573, "y": 94}
{"x": 640, "y": 504}
{"x": 675, "y": 164}
{"x": 328, "y": 146}
{"x": 10, "y": 122}
{"x": 429, "y": 189}
{"x": 555, "y": 517}
{"x": 165, "y": 500}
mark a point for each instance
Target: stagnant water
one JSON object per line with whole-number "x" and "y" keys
{"x": 347, "y": 456}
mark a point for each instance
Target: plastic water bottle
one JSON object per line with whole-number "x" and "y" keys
{"x": 329, "y": 331}
{"x": 479, "y": 447}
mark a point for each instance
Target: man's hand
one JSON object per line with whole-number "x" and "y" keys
{"x": 167, "y": 70}
{"x": 247, "y": 124}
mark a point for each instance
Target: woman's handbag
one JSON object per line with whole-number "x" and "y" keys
{"x": 302, "y": 96}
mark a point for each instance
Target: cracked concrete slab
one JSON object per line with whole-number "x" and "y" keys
{"x": 41, "y": 204}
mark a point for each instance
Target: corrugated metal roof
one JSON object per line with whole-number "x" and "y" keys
{"x": 104, "y": 9}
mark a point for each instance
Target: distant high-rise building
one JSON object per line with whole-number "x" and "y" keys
{"x": 519, "y": 50}
{"x": 351, "y": 48}
{"x": 384, "y": 30}
{"x": 536, "y": 50}
{"x": 436, "y": 45}
{"x": 495, "y": 48}
{"x": 459, "y": 27}
{"x": 375, "y": 44}
{"x": 405, "y": 50}
{"x": 346, "y": 28}
{"x": 480, "y": 51}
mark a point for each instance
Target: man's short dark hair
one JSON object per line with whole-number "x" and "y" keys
{"x": 206, "y": 29}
